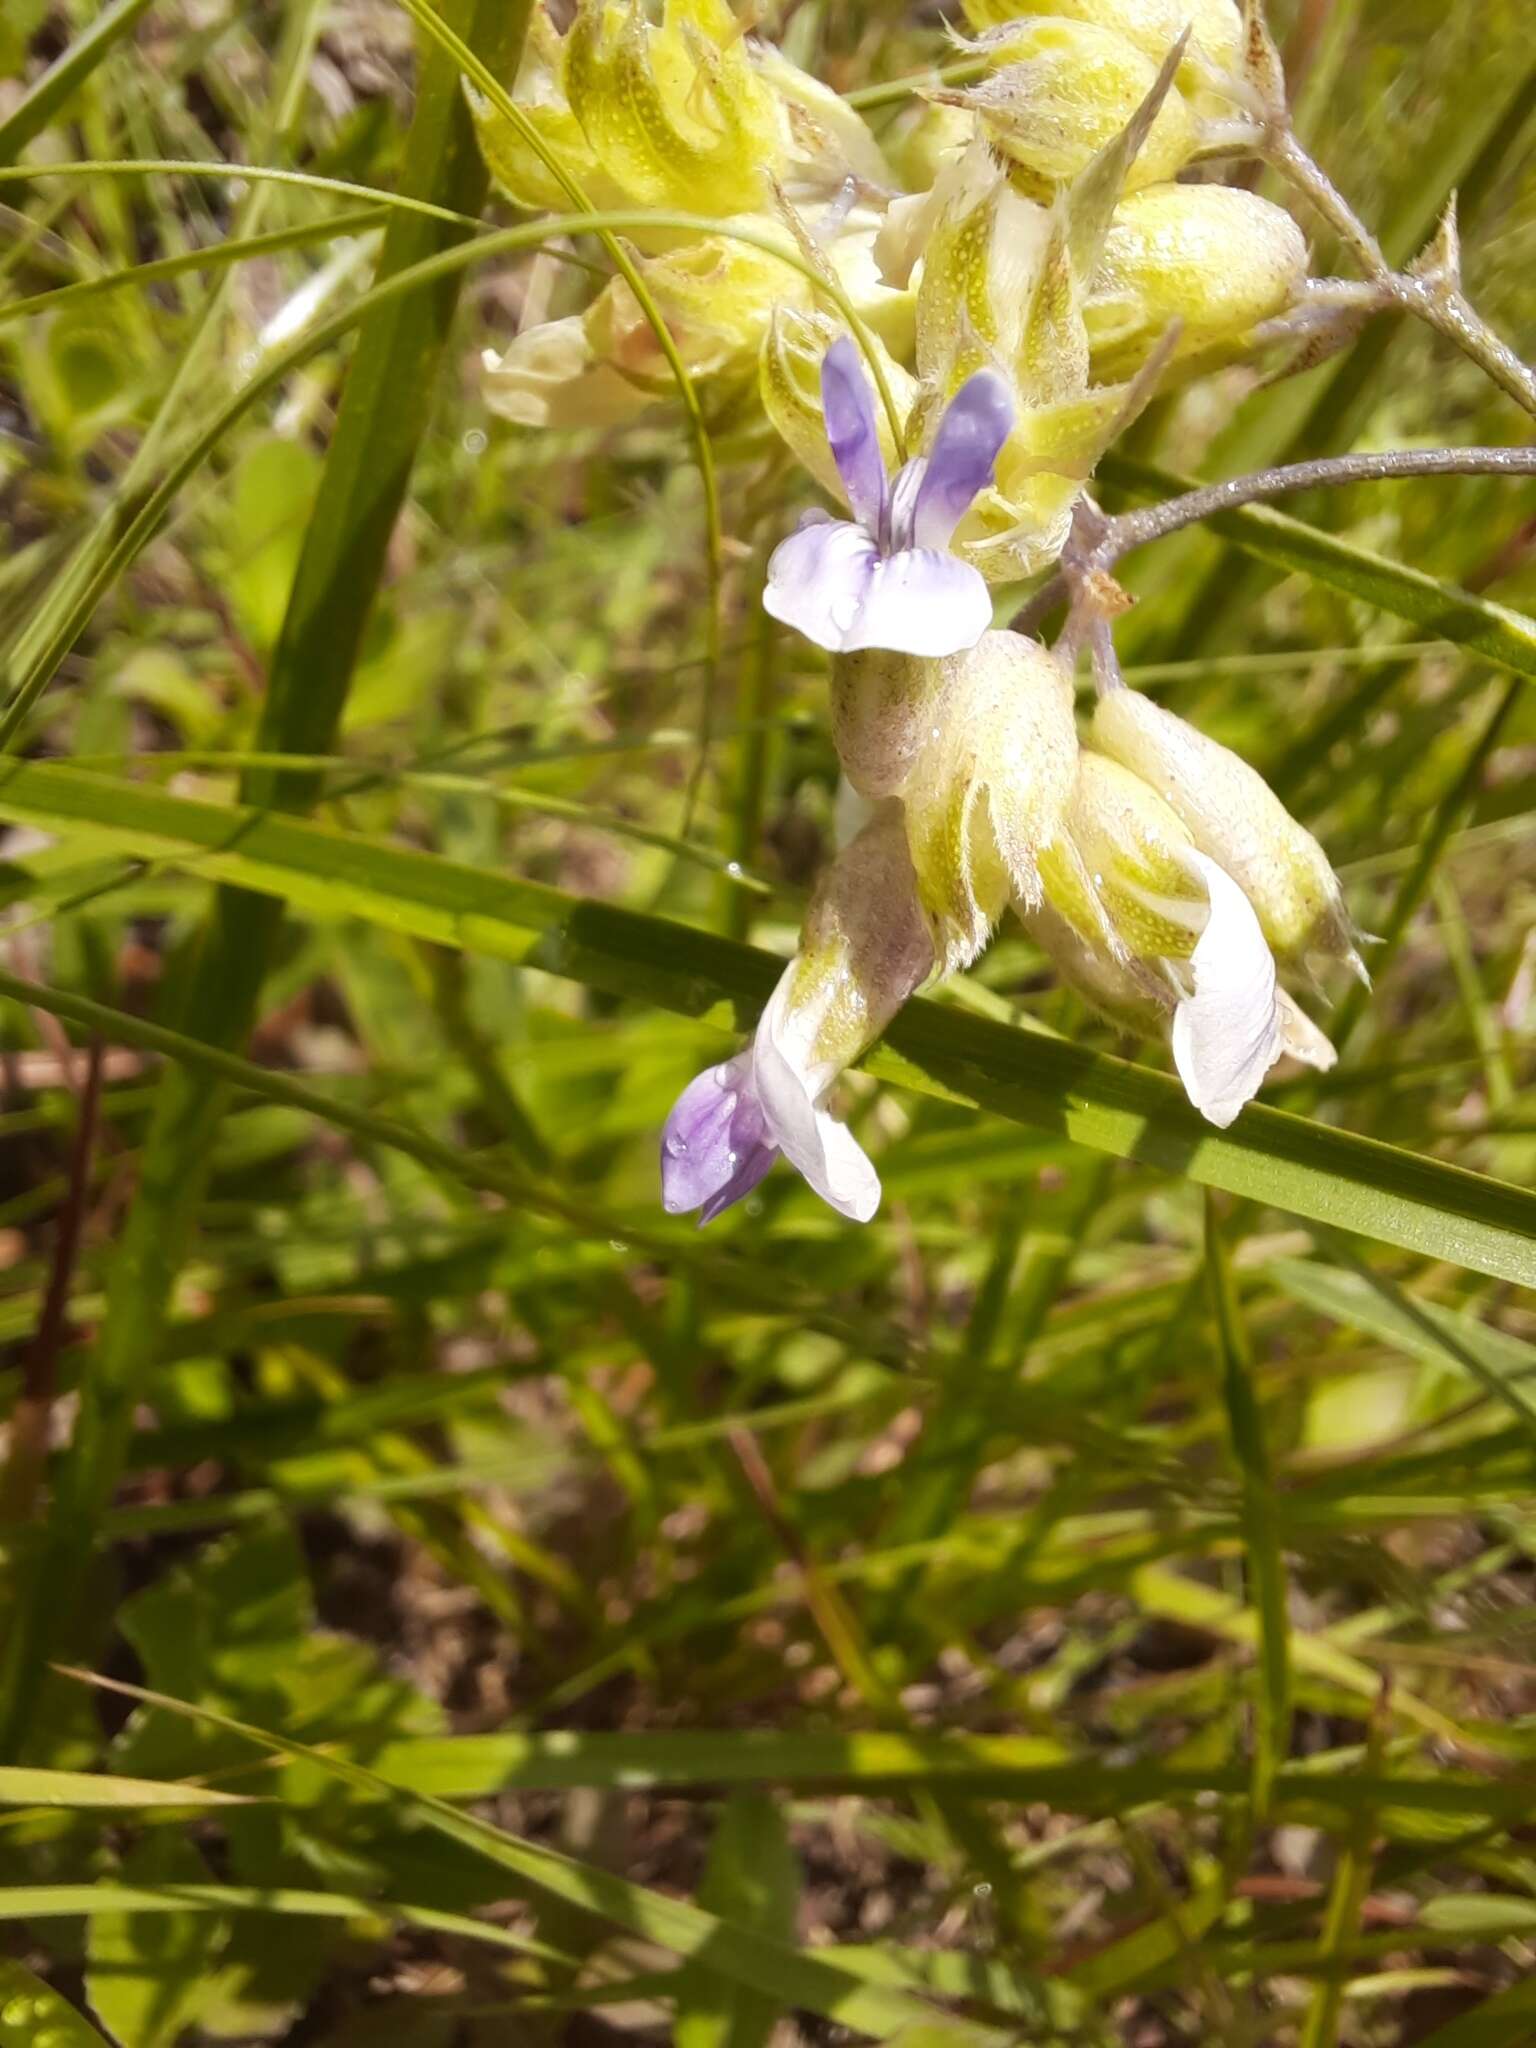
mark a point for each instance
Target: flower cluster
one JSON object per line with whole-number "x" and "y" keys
{"x": 1029, "y": 224}
{"x": 1154, "y": 867}
{"x": 1020, "y": 267}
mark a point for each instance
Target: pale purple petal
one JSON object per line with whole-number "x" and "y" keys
{"x": 755, "y": 1162}
{"x": 923, "y": 601}
{"x": 817, "y": 580}
{"x": 715, "y": 1147}
{"x": 848, "y": 405}
{"x": 976, "y": 423}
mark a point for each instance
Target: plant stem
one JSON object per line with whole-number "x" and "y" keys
{"x": 1437, "y": 300}
{"x": 1129, "y": 530}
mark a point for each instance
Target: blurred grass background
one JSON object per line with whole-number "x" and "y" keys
{"x": 1081, "y": 1606}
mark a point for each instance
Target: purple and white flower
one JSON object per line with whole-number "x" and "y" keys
{"x": 730, "y": 1124}
{"x": 886, "y": 578}
{"x": 865, "y": 948}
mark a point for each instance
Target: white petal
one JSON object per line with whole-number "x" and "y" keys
{"x": 1227, "y": 1034}
{"x": 921, "y": 601}
{"x": 819, "y": 578}
{"x": 1301, "y": 1038}
{"x": 824, "y": 1151}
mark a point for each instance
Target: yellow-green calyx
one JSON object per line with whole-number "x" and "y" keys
{"x": 1231, "y": 813}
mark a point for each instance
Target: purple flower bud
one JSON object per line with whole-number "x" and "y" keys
{"x": 715, "y": 1147}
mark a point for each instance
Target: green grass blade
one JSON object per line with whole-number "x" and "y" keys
{"x": 1329, "y": 1176}
{"x": 736, "y": 1953}
{"x": 21, "y": 1786}
{"x": 1266, "y": 1565}
{"x": 43, "y": 100}
{"x": 1504, "y": 1366}
{"x": 383, "y": 413}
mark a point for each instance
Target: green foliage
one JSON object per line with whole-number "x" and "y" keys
{"x": 1091, "y": 1602}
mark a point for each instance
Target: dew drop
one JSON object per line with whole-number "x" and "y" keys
{"x": 731, "y": 1158}
{"x": 1098, "y": 881}
{"x": 934, "y": 733}
{"x": 676, "y": 1148}
{"x": 734, "y": 869}
{"x": 475, "y": 442}
{"x": 617, "y": 1244}
{"x": 983, "y": 1891}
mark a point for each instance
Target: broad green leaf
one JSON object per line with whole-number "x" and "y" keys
{"x": 752, "y": 1878}
{"x": 146, "y": 1979}
{"x": 33, "y": 2015}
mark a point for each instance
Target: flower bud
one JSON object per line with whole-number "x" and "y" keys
{"x": 1213, "y": 257}
{"x": 1128, "y": 994}
{"x": 789, "y": 379}
{"x": 677, "y": 115}
{"x": 925, "y": 138}
{"x": 716, "y": 297}
{"x": 539, "y": 92}
{"x": 1233, "y": 816}
{"x": 863, "y": 951}
{"x": 1151, "y": 928}
{"x": 1066, "y": 90}
{"x": 982, "y": 247}
{"x": 1123, "y": 862}
{"x": 981, "y": 747}
{"x": 1152, "y": 25}
{"x": 550, "y": 376}
{"x": 828, "y": 141}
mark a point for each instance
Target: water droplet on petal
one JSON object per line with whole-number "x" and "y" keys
{"x": 676, "y": 1148}
{"x": 730, "y": 1158}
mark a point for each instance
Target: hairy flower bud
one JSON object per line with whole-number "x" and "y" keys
{"x": 1213, "y": 257}
{"x": 1065, "y": 90}
{"x": 551, "y": 376}
{"x": 716, "y": 297}
{"x": 828, "y": 140}
{"x": 1124, "y": 860}
{"x": 1144, "y": 917}
{"x": 676, "y": 114}
{"x": 1151, "y": 25}
{"x": 1234, "y": 816}
{"x": 539, "y": 93}
{"x": 1126, "y": 993}
{"x": 981, "y": 747}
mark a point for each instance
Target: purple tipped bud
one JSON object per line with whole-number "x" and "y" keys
{"x": 715, "y": 1147}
